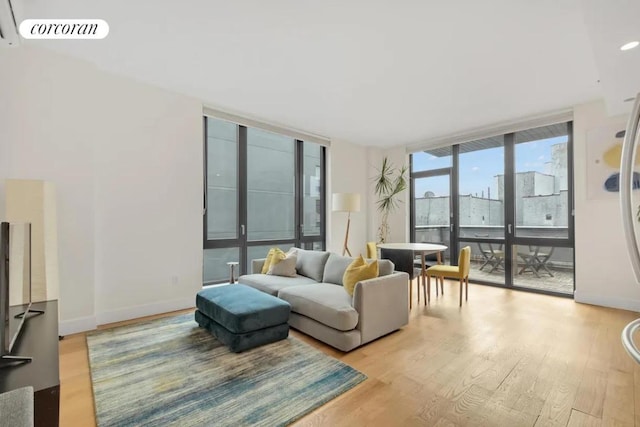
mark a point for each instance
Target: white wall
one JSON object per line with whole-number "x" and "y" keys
{"x": 126, "y": 159}
{"x": 347, "y": 173}
{"x": 603, "y": 269}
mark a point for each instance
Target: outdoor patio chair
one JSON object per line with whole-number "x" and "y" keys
{"x": 536, "y": 259}
{"x": 492, "y": 256}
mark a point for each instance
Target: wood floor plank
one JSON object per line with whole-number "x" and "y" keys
{"x": 505, "y": 358}
{"x": 619, "y": 400}
{"x": 580, "y": 419}
{"x": 557, "y": 408}
{"x": 591, "y": 392}
{"x": 466, "y": 406}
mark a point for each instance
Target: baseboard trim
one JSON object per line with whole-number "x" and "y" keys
{"x": 74, "y": 326}
{"x": 144, "y": 310}
{"x": 606, "y": 301}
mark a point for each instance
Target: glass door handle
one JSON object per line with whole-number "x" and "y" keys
{"x": 242, "y": 229}
{"x": 509, "y": 228}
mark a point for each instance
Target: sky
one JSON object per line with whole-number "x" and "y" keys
{"x": 478, "y": 168}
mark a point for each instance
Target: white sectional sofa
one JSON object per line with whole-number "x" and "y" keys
{"x": 322, "y": 308}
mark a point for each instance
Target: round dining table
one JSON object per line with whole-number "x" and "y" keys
{"x": 418, "y": 248}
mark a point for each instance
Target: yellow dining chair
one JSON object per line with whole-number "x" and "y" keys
{"x": 460, "y": 272}
{"x": 372, "y": 250}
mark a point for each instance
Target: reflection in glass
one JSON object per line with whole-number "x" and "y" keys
{"x": 311, "y": 180}
{"x": 270, "y": 186}
{"x": 215, "y": 263}
{"x": 222, "y": 179}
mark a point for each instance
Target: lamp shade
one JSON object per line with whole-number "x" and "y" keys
{"x": 346, "y": 202}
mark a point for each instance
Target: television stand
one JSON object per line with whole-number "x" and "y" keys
{"x": 39, "y": 338}
{"x": 31, "y": 310}
{"x": 14, "y": 359}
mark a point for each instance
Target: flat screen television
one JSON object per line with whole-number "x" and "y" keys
{"x": 15, "y": 286}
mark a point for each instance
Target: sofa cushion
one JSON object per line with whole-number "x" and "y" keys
{"x": 311, "y": 263}
{"x": 336, "y": 266}
{"x": 273, "y": 256}
{"x": 324, "y": 302}
{"x": 385, "y": 267}
{"x": 283, "y": 267}
{"x": 357, "y": 271}
{"x": 272, "y": 284}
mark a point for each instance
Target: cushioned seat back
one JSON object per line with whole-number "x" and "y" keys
{"x": 311, "y": 263}
{"x": 336, "y": 266}
{"x": 372, "y": 250}
{"x": 464, "y": 260}
{"x": 402, "y": 260}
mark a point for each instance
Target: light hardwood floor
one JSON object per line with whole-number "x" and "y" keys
{"x": 505, "y": 358}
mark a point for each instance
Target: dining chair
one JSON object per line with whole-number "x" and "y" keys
{"x": 403, "y": 261}
{"x": 460, "y": 272}
{"x": 429, "y": 261}
{"x": 372, "y": 250}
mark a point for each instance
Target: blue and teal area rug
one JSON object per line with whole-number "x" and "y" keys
{"x": 171, "y": 372}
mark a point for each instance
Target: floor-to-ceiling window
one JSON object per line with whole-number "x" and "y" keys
{"x": 263, "y": 189}
{"x": 510, "y": 201}
{"x": 431, "y": 191}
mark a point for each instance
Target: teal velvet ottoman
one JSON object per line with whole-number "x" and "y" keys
{"x": 242, "y": 317}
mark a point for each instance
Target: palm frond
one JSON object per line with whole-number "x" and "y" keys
{"x": 384, "y": 180}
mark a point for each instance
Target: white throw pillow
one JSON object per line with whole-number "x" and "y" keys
{"x": 285, "y": 267}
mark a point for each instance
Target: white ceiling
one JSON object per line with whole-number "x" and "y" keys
{"x": 370, "y": 72}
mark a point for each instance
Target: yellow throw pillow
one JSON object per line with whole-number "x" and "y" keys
{"x": 274, "y": 256}
{"x": 358, "y": 270}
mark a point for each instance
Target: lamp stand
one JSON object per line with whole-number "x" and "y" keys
{"x": 346, "y": 236}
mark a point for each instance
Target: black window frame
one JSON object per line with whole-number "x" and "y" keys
{"x": 510, "y": 238}
{"x": 241, "y": 242}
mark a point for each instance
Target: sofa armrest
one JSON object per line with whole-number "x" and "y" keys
{"x": 382, "y": 305}
{"x": 256, "y": 265}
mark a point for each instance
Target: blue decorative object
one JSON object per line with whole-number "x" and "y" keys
{"x": 612, "y": 184}
{"x": 242, "y": 317}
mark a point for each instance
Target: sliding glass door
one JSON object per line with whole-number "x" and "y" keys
{"x": 262, "y": 190}
{"x": 431, "y": 191}
{"x": 433, "y": 209}
{"x": 482, "y": 208}
{"x": 541, "y": 241}
{"x": 512, "y": 205}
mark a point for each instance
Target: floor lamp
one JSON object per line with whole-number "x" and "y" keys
{"x": 346, "y": 202}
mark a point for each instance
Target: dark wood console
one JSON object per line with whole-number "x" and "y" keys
{"x": 38, "y": 339}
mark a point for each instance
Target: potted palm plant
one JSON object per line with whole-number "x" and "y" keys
{"x": 389, "y": 184}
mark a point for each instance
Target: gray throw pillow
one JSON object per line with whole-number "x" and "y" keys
{"x": 335, "y": 267}
{"x": 311, "y": 263}
{"x": 286, "y": 267}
